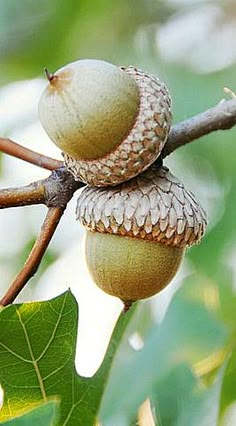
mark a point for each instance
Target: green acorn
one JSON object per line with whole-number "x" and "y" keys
{"x": 137, "y": 233}
{"x": 110, "y": 122}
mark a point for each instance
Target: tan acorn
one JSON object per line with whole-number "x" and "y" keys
{"x": 110, "y": 122}
{"x": 137, "y": 233}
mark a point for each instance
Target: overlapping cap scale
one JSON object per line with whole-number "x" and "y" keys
{"x": 153, "y": 206}
{"x": 142, "y": 145}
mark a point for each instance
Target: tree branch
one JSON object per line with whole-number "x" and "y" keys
{"x": 220, "y": 117}
{"x": 33, "y": 193}
{"x": 15, "y": 150}
{"x": 32, "y": 263}
{"x": 54, "y": 191}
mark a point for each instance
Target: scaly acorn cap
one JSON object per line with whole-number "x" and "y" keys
{"x": 138, "y": 232}
{"x": 111, "y": 123}
{"x": 154, "y": 206}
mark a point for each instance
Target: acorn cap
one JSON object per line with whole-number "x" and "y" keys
{"x": 143, "y": 144}
{"x": 154, "y": 206}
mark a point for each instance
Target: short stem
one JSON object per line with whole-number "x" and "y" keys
{"x": 127, "y": 305}
{"x": 49, "y": 75}
{"x": 15, "y": 150}
{"x": 32, "y": 263}
{"x": 23, "y": 196}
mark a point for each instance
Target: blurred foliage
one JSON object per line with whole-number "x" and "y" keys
{"x": 37, "y": 34}
{"x": 187, "y": 365}
{"x": 190, "y": 336}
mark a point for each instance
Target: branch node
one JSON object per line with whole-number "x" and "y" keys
{"x": 60, "y": 187}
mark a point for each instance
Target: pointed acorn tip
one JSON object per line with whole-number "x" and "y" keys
{"x": 50, "y": 77}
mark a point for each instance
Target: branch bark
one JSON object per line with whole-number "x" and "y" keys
{"x": 220, "y": 117}
{"x": 54, "y": 191}
{"x": 33, "y": 193}
{"x": 32, "y": 263}
{"x": 15, "y": 150}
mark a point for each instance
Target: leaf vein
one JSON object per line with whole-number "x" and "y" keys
{"x": 36, "y": 367}
{"x": 15, "y": 354}
{"x": 54, "y": 331}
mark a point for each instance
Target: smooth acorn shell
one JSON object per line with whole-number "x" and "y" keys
{"x": 88, "y": 108}
{"x": 130, "y": 268}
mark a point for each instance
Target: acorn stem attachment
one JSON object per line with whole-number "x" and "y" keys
{"x": 127, "y": 306}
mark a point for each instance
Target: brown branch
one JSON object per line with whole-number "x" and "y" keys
{"x": 23, "y": 196}
{"x": 32, "y": 263}
{"x": 54, "y": 191}
{"x": 15, "y": 150}
{"x": 220, "y": 117}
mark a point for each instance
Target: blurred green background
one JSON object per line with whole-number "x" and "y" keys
{"x": 188, "y": 364}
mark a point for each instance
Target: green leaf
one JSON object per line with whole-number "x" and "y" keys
{"x": 170, "y": 394}
{"x": 190, "y": 333}
{"x": 37, "y": 352}
{"x": 44, "y": 415}
{"x": 182, "y": 399}
{"x": 229, "y": 383}
{"x": 202, "y": 406}
{"x": 37, "y": 344}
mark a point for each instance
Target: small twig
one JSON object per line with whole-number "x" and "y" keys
{"x": 23, "y": 196}
{"x": 31, "y": 265}
{"x": 54, "y": 191}
{"x": 15, "y": 150}
{"x": 220, "y": 117}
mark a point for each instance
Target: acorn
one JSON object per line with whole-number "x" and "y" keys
{"x": 110, "y": 122}
{"x": 137, "y": 233}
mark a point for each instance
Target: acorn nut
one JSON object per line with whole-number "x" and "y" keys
{"x": 110, "y": 122}
{"x": 137, "y": 232}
